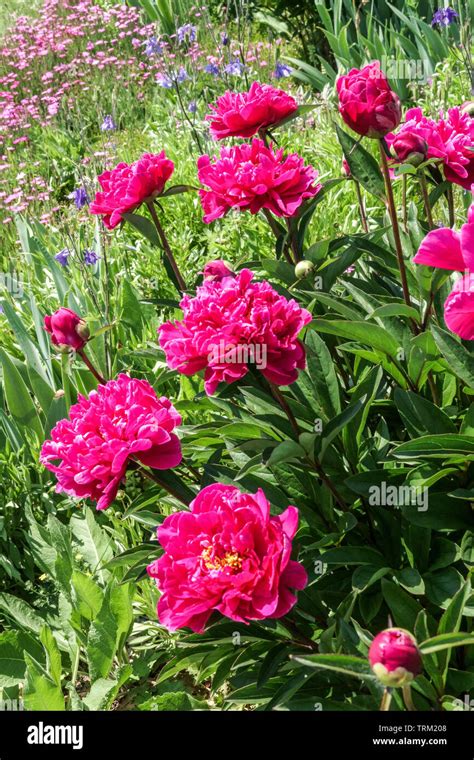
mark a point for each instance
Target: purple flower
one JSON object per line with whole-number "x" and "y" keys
{"x": 108, "y": 125}
{"x": 212, "y": 68}
{"x": 182, "y": 75}
{"x": 224, "y": 39}
{"x": 90, "y": 257}
{"x": 63, "y": 256}
{"x": 186, "y": 33}
{"x": 80, "y": 197}
{"x": 153, "y": 47}
{"x": 282, "y": 70}
{"x": 192, "y": 106}
{"x": 164, "y": 81}
{"x": 235, "y": 68}
{"x": 444, "y": 17}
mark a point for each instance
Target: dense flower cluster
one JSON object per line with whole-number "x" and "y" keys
{"x": 367, "y": 103}
{"x": 234, "y": 322}
{"x": 447, "y": 249}
{"x": 120, "y": 421}
{"x": 226, "y": 554}
{"x": 251, "y": 177}
{"x": 449, "y": 139}
{"x": 128, "y": 185}
{"x": 244, "y": 114}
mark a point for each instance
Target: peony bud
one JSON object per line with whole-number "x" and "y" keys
{"x": 409, "y": 148}
{"x": 394, "y": 657}
{"x": 303, "y": 269}
{"x": 67, "y": 329}
{"x": 346, "y": 169}
{"x": 217, "y": 270}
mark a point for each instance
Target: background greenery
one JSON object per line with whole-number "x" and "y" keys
{"x": 77, "y": 611}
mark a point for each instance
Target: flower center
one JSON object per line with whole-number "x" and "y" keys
{"x": 229, "y": 561}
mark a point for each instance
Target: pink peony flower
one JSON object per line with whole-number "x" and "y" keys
{"x": 67, "y": 329}
{"x": 366, "y": 102}
{"x": 120, "y": 421}
{"x": 226, "y": 554}
{"x": 459, "y": 308}
{"x": 129, "y": 185}
{"x": 243, "y": 114}
{"x": 447, "y": 249}
{"x": 233, "y": 322}
{"x": 395, "y": 657}
{"x": 252, "y": 177}
{"x": 450, "y": 139}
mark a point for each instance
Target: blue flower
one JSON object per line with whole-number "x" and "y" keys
{"x": 235, "y": 68}
{"x": 212, "y": 68}
{"x": 90, "y": 257}
{"x": 282, "y": 70}
{"x": 108, "y": 125}
{"x": 181, "y": 75}
{"x": 187, "y": 33}
{"x": 192, "y": 106}
{"x": 444, "y": 17}
{"x": 164, "y": 81}
{"x": 153, "y": 47}
{"x": 80, "y": 197}
{"x": 63, "y": 256}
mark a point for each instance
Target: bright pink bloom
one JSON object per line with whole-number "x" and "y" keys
{"x": 367, "y": 103}
{"x": 129, "y": 185}
{"x": 450, "y": 139}
{"x": 231, "y": 323}
{"x": 459, "y": 308}
{"x": 66, "y": 329}
{"x": 120, "y": 421}
{"x": 227, "y": 554}
{"x": 243, "y": 114}
{"x": 447, "y": 249}
{"x": 217, "y": 270}
{"x": 394, "y": 657}
{"x": 252, "y": 177}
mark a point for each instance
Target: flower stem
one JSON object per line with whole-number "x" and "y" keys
{"x": 91, "y": 367}
{"x": 426, "y": 200}
{"x": 407, "y": 698}
{"x": 386, "y": 699}
{"x": 393, "y": 218}
{"x": 166, "y": 246}
{"x": 363, "y": 216}
{"x": 278, "y": 396}
{"x": 274, "y": 228}
{"x": 450, "y": 197}
{"x": 151, "y": 474}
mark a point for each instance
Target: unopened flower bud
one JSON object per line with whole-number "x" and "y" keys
{"x": 217, "y": 270}
{"x": 346, "y": 169}
{"x": 409, "y": 148}
{"x": 303, "y": 269}
{"x": 394, "y": 657}
{"x": 67, "y": 329}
